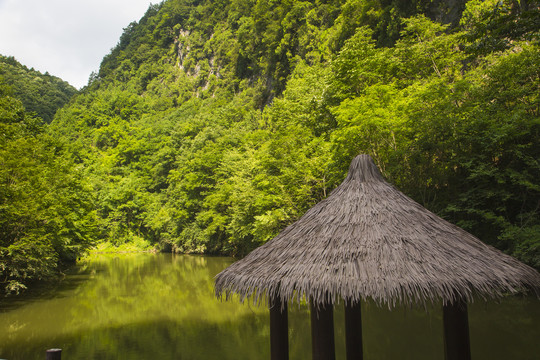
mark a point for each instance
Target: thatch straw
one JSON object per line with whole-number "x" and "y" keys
{"x": 369, "y": 240}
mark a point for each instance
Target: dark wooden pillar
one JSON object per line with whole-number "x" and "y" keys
{"x": 353, "y": 331}
{"x": 456, "y": 331}
{"x": 279, "y": 330}
{"x": 322, "y": 332}
{"x": 53, "y": 354}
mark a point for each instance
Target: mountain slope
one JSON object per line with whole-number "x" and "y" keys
{"x": 214, "y": 124}
{"x": 40, "y": 93}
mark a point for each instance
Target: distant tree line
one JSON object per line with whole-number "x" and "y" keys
{"x": 39, "y": 93}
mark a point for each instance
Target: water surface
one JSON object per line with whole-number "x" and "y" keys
{"x": 162, "y": 306}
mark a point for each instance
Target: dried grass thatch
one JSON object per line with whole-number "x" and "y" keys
{"x": 369, "y": 240}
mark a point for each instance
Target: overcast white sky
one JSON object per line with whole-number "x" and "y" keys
{"x": 67, "y": 38}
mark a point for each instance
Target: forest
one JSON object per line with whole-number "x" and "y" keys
{"x": 212, "y": 125}
{"x": 42, "y": 94}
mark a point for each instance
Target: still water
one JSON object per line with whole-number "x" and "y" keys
{"x": 162, "y": 306}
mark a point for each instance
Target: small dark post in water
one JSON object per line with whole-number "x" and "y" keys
{"x": 279, "y": 330}
{"x": 54, "y": 354}
{"x": 322, "y": 332}
{"x": 456, "y": 331}
{"x": 353, "y": 331}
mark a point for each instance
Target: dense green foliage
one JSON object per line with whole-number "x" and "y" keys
{"x": 46, "y": 215}
{"x": 42, "y": 94}
{"x": 214, "y": 124}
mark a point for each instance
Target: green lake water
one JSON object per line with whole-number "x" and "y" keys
{"x": 162, "y": 306}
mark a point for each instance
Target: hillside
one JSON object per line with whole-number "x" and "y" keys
{"x": 212, "y": 125}
{"x": 42, "y": 94}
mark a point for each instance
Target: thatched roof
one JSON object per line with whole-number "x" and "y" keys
{"x": 369, "y": 240}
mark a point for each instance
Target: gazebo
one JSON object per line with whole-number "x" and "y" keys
{"x": 367, "y": 240}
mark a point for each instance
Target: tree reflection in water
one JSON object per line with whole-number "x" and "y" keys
{"x": 162, "y": 306}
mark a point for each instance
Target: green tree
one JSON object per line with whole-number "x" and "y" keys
{"x": 42, "y": 94}
{"x": 46, "y": 214}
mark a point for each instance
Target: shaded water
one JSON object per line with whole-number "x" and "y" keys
{"x": 161, "y": 306}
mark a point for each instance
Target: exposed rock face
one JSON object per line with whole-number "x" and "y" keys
{"x": 447, "y": 11}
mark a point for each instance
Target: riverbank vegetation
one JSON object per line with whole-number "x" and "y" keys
{"x": 212, "y": 125}
{"x": 47, "y": 214}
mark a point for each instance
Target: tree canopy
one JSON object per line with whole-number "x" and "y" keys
{"x": 42, "y": 94}
{"x": 46, "y": 209}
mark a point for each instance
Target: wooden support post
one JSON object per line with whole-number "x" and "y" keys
{"x": 54, "y": 354}
{"x": 353, "y": 331}
{"x": 322, "y": 332}
{"x": 456, "y": 331}
{"x": 279, "y": 330}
